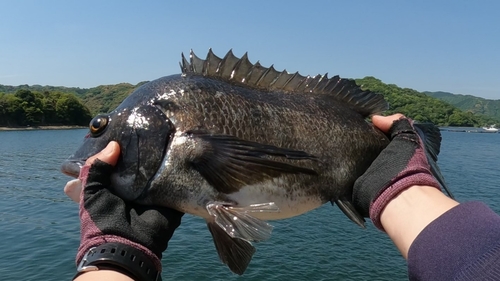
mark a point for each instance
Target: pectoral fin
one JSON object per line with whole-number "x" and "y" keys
{"x": 228, "y": 163}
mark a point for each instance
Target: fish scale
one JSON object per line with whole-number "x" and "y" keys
{"x": 238, "y": 144}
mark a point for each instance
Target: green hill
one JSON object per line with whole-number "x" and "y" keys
{"x": 38, "y": 88}
{"x": 49, "y": 105}
{"x": 29, "y": 108}
{"x": 422, "y": 107}
{"x": 98, "y": 99}
{"x": 470, "y": 103}
{"x": 105, "y": 98}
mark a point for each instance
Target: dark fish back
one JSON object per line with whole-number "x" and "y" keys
{"x": 240, "y": 71}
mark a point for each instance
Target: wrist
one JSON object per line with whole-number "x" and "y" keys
{"x": 121, "y": 258}
{"x": 402, "y": 183}
{"x": 104, "y": 274}
{"x": 408, "y": 213}
{"x": 91, "y": 242}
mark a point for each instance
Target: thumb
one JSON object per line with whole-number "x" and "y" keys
{"x": 384, "y": 123}
{"x": 108, "y": 155}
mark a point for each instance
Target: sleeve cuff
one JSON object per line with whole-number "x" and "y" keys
{"x": 453, "y": 242}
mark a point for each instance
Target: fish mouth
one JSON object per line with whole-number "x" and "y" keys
{"x": 72, "y": 168}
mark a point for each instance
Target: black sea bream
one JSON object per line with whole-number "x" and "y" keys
{"x": 239, "y": 144}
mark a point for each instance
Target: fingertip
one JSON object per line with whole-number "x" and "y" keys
{"x": 384, "y": 123}
{"x": 73, "y": 189}
{"x": 109, "y": 154}
{"x": 112, "y": 148}
{"x": 396, "y": 116}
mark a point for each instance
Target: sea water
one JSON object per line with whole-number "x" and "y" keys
{"x": 39, "y": 226}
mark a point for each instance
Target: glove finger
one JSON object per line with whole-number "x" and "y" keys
{"x": 158, "y": 217}
{"x": 96, "y": 198}
{"x": 159, "y": 223}
{"x": 95, "y": 177}
{"x": 403, "y": 128}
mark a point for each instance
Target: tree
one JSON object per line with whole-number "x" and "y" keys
{"x": 26, "y": 108}
{"x": 69, "y": 108}
{"x": 420, "y": 106}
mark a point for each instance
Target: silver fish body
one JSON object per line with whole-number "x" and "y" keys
{"x": 237, "y": 144}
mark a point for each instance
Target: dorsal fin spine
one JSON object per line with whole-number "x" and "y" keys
{"x": 184, "y": 64}
{"x": 290, "y": 79}
{"x": 237, "y": 66}
{"x": 196, "y": 62}
{"x": 270, "y": 78}
{"x": 320, "y": 82}
{"x": 266, "y": 71}
{"x": 213, "y": 63}
{"x": 227, "y": 65}
{"x": 242, "y": 71}
{"x": 281, "y": 74}
{"x": 249, "y": 74}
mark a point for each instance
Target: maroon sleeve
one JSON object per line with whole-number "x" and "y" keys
{"x": 462, "y": 244}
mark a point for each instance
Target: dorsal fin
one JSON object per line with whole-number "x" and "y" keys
{"x": 242, "y": 72}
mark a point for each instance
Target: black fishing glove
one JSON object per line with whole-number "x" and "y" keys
{"x": 402, "y": 164}
{"x": 139, "y": 233}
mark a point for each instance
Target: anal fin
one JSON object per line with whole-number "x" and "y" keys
{"x": 234, "y": 252}
{"x": 348, "y": 209}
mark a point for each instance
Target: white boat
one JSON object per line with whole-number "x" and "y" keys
{"x": 490, "y": 129}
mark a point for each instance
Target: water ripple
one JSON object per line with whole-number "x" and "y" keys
{"x": 40, "y": 230}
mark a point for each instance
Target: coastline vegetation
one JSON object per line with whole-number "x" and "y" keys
{"x": 22, "y": 106}
{"x": 424, "y": 108}
{"x": 27, "y": 108}
{"x": 476, "y": 105}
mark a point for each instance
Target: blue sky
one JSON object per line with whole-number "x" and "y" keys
{"x": 451, "y": 46}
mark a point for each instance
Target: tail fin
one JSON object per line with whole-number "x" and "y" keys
{"x": 431, "y": 136}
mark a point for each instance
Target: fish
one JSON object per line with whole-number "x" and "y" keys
{"x": 239, "y": 144}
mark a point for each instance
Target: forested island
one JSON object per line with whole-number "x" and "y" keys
{"x": 25, "y": 108}
{"x": 33, "y": 106}
{"x": 38, "y": 106}
{"x": 470, "y": 103}
{"x": 425, "y": 108}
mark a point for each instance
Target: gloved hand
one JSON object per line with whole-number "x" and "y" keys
{"x": 400, "y": 165}
{"x": 106, "y": 218}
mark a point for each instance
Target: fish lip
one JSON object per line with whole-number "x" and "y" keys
{"x": 71, "y": 167}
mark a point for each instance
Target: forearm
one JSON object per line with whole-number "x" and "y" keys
{"x": 411, "y": 211}
{"x": 103, "y": 275}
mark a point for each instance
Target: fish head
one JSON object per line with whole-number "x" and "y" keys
{"x": 143, "y": 133}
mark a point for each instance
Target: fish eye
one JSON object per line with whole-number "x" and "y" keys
{"x": 98, "y": 124}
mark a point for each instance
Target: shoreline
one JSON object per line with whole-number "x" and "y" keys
{"x": 32, "y": 128}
